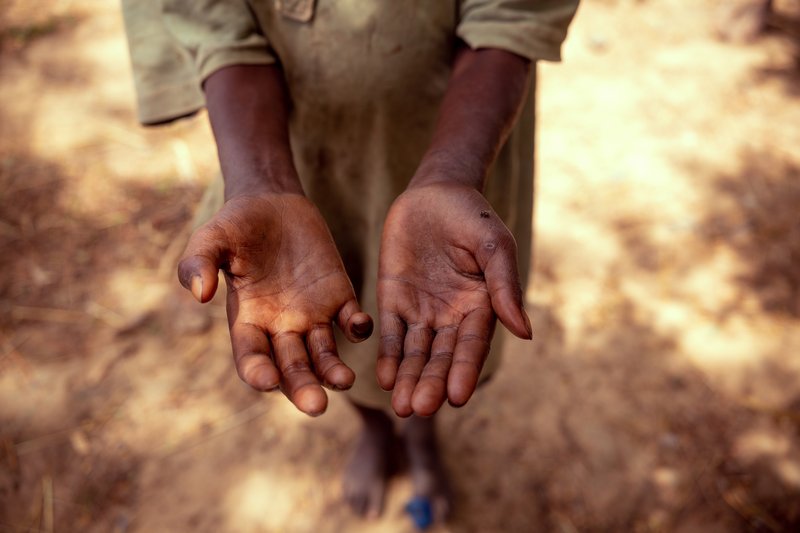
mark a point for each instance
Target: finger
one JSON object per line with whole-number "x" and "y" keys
{"x": 297, "y": 380}
{"x": 416, "y": 348}
{"x": 472, "y": 347}
{"x": 197, "y": 269}
{"x": 354, "y": 323}
{"x": 431, "y": 390}
{"x": 329, "y": 368}
{"x": 498, "y": 258}
{"x": 390, "y": 349}
{"x": 251, "y": 354}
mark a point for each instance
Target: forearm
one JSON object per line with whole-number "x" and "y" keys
{"x": 248, "y": 106}
{"x": 483, "y": 99}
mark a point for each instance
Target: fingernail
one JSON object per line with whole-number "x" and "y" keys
{"x": 451, "y": 403}
{"x": 362, "y": 329}
{"x": 197, "y": 288}
{"x": 528, "y": 324}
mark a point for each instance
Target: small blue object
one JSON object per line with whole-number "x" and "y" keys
{"x": 421, "y": 512}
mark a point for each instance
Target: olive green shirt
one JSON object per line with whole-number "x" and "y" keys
{"x": 366, "y": 78}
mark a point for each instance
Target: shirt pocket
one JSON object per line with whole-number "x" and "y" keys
{"x": 297, "y": 10}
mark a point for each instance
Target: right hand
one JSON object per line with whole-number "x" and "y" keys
{"x": 286, "y": 285}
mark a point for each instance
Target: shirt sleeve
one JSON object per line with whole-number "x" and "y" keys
{"x": 217, "y": 34}
{"x": 534, "y": 29}
{"x": 175, "y": 45}
{"x": 163, "y": 74}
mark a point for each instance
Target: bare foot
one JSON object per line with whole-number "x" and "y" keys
{"x": 743, "y": 21}
{"x": 427, "y": 471}
{"x": 367, "y": 473}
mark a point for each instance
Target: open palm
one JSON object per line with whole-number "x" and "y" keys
{"x": 447, "y": 271}
{"x": 286, "y": 285}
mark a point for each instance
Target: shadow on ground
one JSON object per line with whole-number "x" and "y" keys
{"x": 757, "y": 216}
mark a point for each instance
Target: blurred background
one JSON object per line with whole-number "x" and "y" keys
{"x": 662, "y": 391}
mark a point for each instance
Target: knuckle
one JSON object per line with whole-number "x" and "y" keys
{"x": 321, "y": 345}
{"x": 392, "y": 338}
{"x": 420, "y": 328}
{"x": 294, "y": 368}
{"x": 250, "y": 372}
{"x": 331, "y": 364}
{"x": 384, "y": 358}
{"x": 441, "y": 356}
{"x": 472, "y": 337}
{"x": 326, "y": 374}
{"x": 327, "y": 362}
{"x": 407, "y": 375}
{"x": 437, "y": 377}
{"x": 476, "y": 365}
{"x": 324, "y": 356}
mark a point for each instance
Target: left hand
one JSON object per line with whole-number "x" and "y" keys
{"x": 448, "y": 270}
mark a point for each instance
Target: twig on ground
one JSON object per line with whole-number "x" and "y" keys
{"x": 47, "y": 504}
{"x": 248, "y": 414}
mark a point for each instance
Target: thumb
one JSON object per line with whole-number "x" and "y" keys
{"x": 197, "y": 269}
{"x": 354, "y": 323}
{"x": 498, "y": 259}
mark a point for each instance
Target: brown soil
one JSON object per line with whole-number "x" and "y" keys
{"x": 662, "y": 392}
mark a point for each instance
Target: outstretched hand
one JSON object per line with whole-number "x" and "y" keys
{"x": 286, "y": 285}
{"x": 447, "y": 271}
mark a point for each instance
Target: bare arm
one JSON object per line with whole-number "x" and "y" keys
{"x": 483, "y": 98}
{"x": 248, "y": 107}
{"x": 286, "y": 281}
{"x": 448, "y": 263}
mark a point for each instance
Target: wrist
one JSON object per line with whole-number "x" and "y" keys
{"x": 248, "y": 106}
{"x": 263, "y": 179}
{"x": 258, "y": 188}
{"x": 454, "y": 167}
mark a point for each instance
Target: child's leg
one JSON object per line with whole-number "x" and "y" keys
{"x": 427, "y": 470}
{"x": 367, "y": 472}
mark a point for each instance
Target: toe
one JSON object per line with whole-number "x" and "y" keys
{"x": 374, "y": 505}
{"x": 366, "y": 475}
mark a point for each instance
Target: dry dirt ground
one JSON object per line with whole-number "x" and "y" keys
{"x": 662, "y": 392}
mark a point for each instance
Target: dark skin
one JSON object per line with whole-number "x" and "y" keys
{"x": 286, "y": 281}
{"x": 286, "y": 285}
{"x": 447, "y": 263}
{"x": 439, "y": 295}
